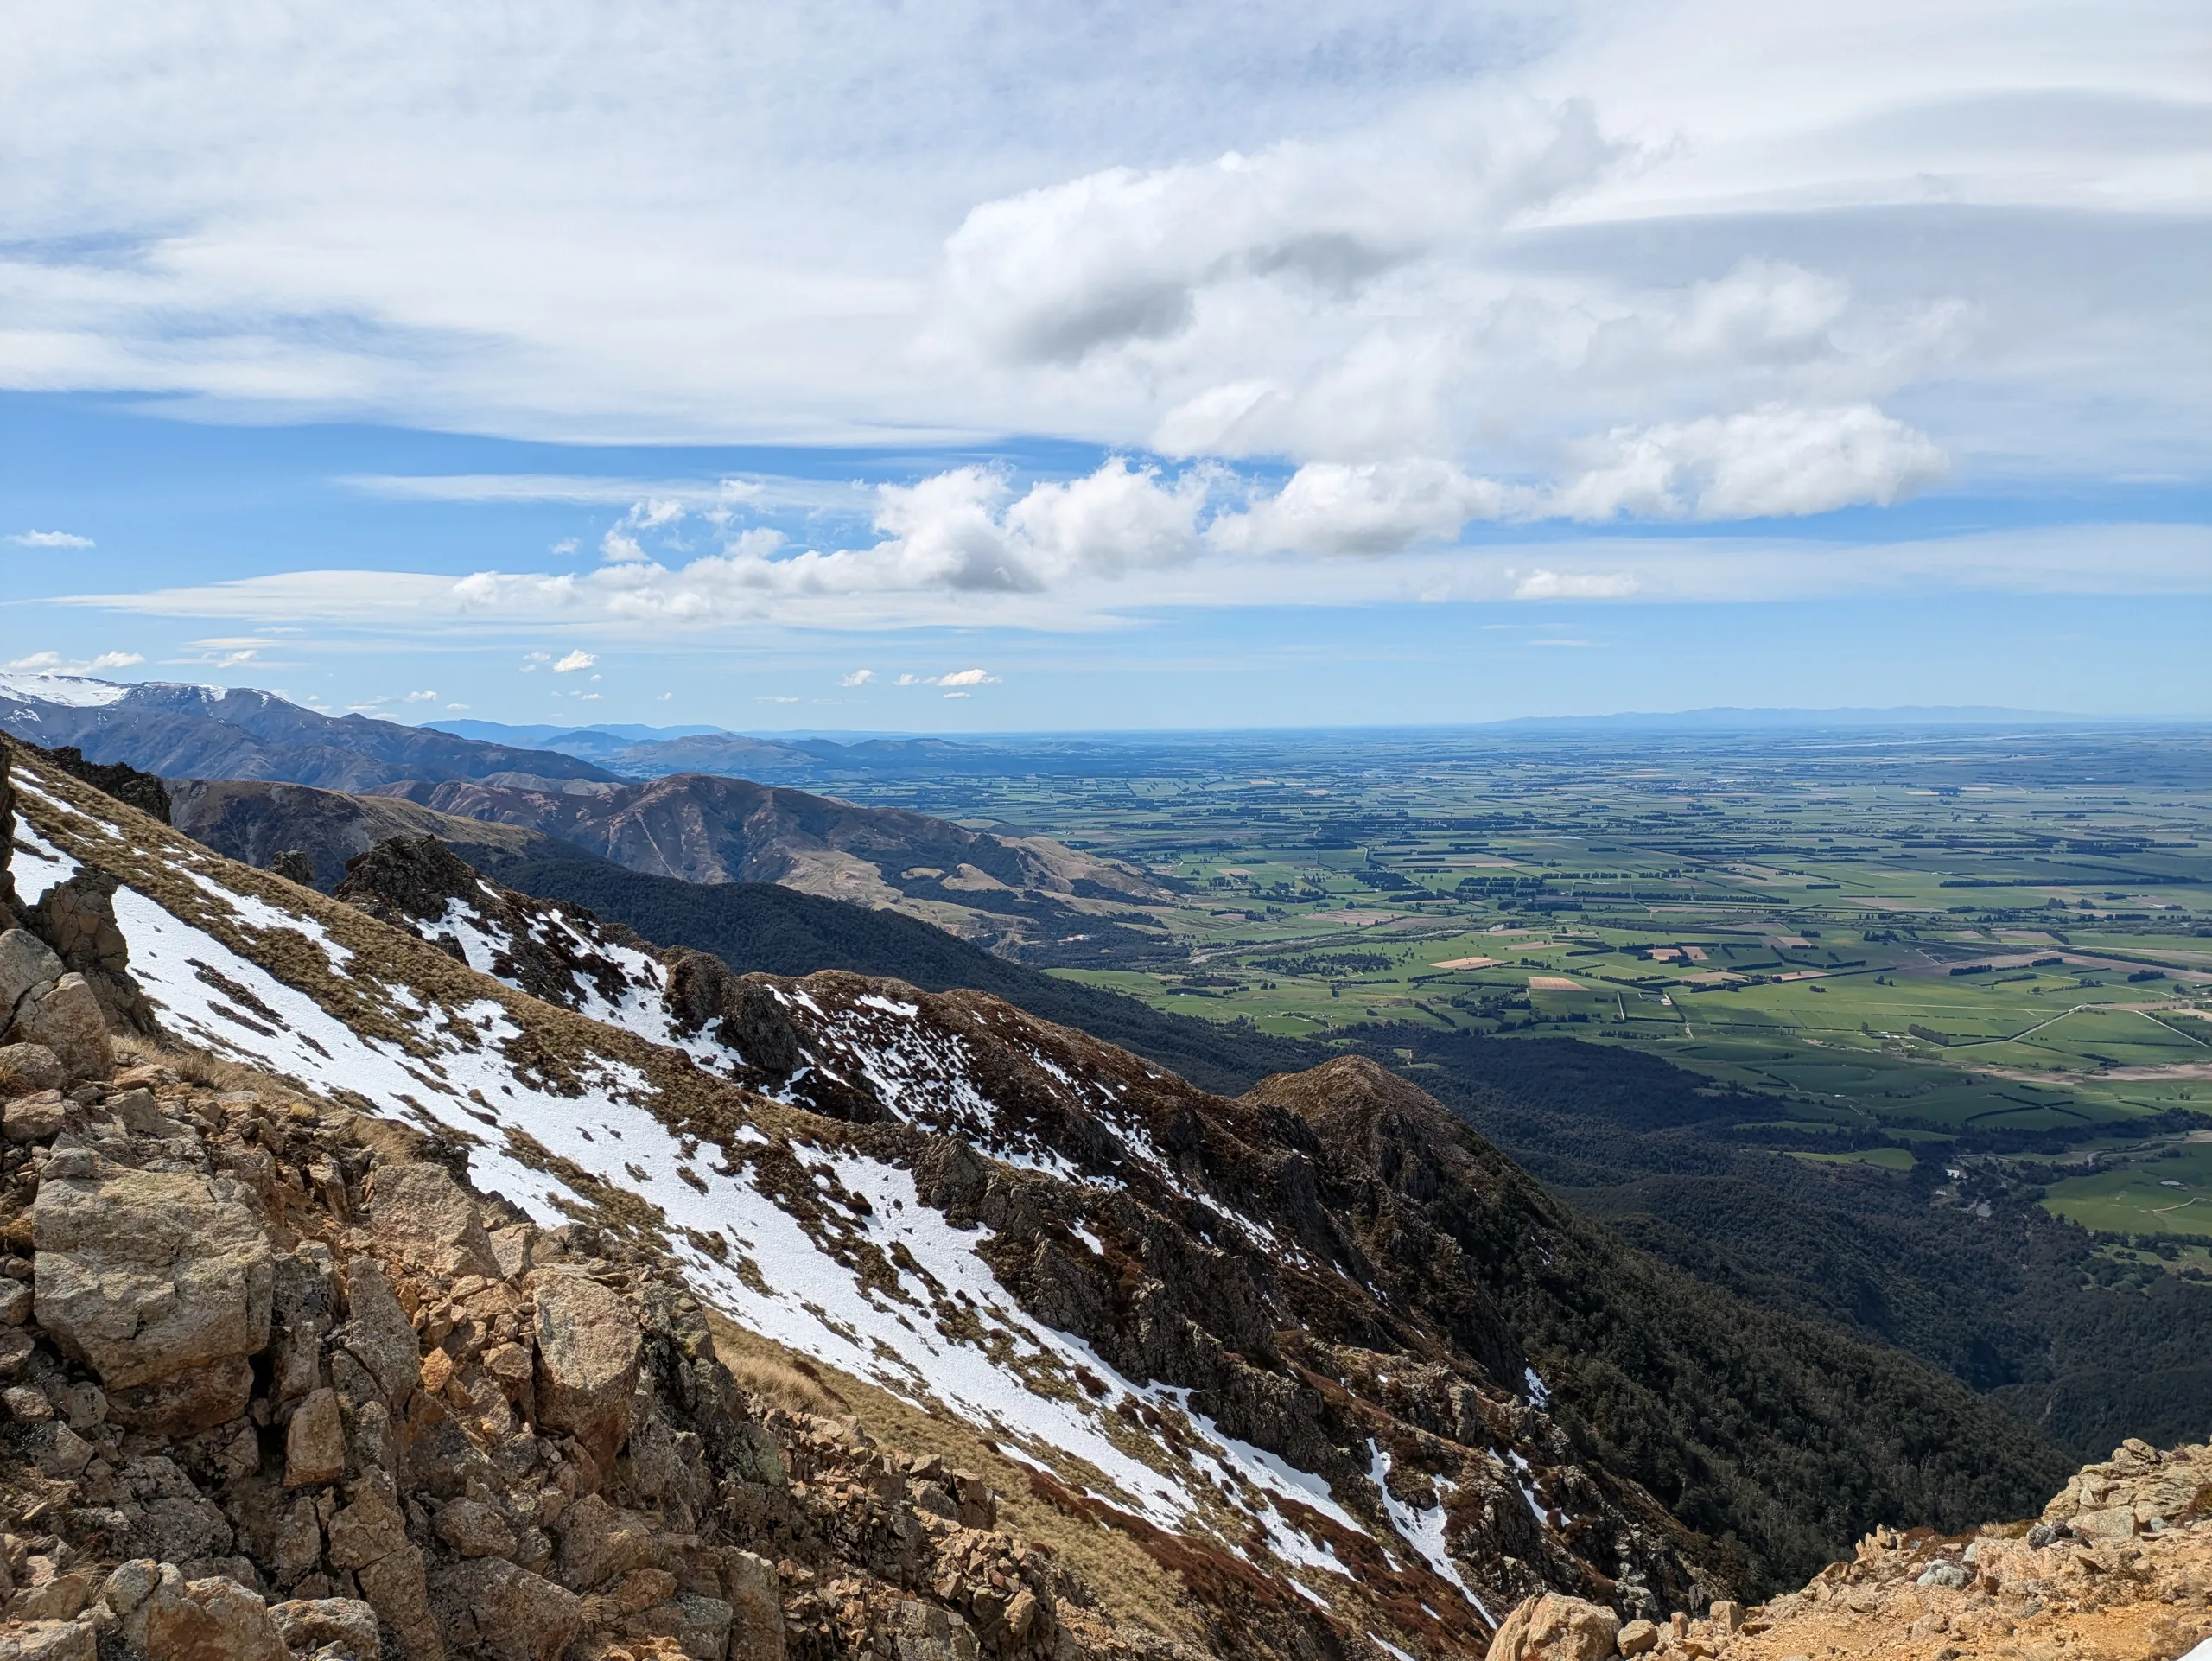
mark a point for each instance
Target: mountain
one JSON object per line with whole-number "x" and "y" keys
{"x": 253, "y": 821}
{"x": 755, "y": 925}
{"x": 212, "y": 732}
{"x": 1268, "y": 1373}
{"x": 1027, "y": 896}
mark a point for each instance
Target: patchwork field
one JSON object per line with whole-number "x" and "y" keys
{"x": 1945, "y": 941}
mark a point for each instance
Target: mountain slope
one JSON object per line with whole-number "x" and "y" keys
{"x": 1263, "y": 1349}
{"x": 211, "y": 732}
{"x": 1027, "y": 897}
{"x": 252, "y": 821}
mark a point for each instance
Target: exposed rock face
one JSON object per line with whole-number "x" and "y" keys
{"x": 64, "y": 1017}
{"x": 1554, "y": 1629}
{"x": 77, "y": 918}
{"x": 612, "y": 1496}
{"x": 153, "y": 1279}
{"x": 587, "y": 1344}
{"x": 127, "y": 784}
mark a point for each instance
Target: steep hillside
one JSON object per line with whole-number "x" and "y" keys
{"x": 211, "y": 732}
{"x": 1022, "y": 896}
{"x": 1772, "y": 1432}
{"x": 254, "y": 821}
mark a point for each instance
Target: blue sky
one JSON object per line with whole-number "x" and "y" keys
{"x": 844, "y": 367}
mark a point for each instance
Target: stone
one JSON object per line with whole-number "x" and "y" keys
{"x": 587, "y": 1347}
{"x": 1944, "y": 1572}
{"x": 756, "y": 1599}
{"x": 26, "y": 1403}
{"x": 491, "y": 1608}
{"x": 173, "y": 1522}
{"x": 298, "y": 1546}
{"x": 314, "y": 1443}
{"x": 49, "y": 1640}
{"x": 2117, "y": 1523}
{"x": 599, "y": 1542}
{"x": 700, "y": 1625}
{"x": 193, "y": 1400}
{"x": 128, "y": 1584}
{"x": 1550, "y": 1627}
{"x": 309, "y": 1625}
{"x": 26, "y": 962}
{"x": 210, "y": 1620}
{"x": 15, "y": 1350}
{"x": 145, "y": 1275}
{"x": 28, "y": 1071}
{"x": 1637, "y": 1637}
{"x": 303, "y": 1309}
{"x": 427, "y": 1220}
{"x": 920, "y": 1632}
{"x": 397, "y": 1589}
{"x": 66, "y": 1017}
{"x": 14, "y": 1303}
{"x": 58, "y": 1451}
{"x": 379, "y": 1335}
{"x": 369, "y": 1529}
{"x": 511, "y": 1246}
{"x": 1726, "y": 1614}
{"x": 473, "y": 1529}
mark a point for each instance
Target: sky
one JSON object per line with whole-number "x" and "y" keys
{"x": 986, "y": 367}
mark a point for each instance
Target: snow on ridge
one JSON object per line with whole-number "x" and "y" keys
{"x": 455, "y": 1073}
{"x": 73, "y": 691}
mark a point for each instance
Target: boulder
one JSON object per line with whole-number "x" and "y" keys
{"x": 1550, "y": 1627}
{"x": 49, "y": 1640}
{"x": 379, "y": 1335}
{"x": 491, "y": 1608}
{"x": 424, "y": 1218}
{"x": 25, "y": 1069}
{"x": 1637, "y": 1637}
{"x": 66, "y": 1017}
{"x": 922, "y": 1632}
{"x": 192, "y": 1400}
{"x": 599, "y": 1542}
{"x": 309, "y": 1625}
{"x": 398, "y": 1590}
{"x": 153, "y": 1276}
{"x": 472, "y": 1529}
{"x": 25, "y": 961}
{"x": 370, "y": 1528}
{"x": 755, "y": 1595}
{"x": 314, "y": 1443}
{"x": 700, "y": 1626}
{"x": 210, "y": 1620}
{"x": 587, "y": 1344}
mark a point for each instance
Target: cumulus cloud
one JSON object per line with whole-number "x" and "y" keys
{"x": 967, "y": 677}
{"x": 1126, "y": 255}
{"x": 49, "y": 539}
{"x": 1370, "y": 508}
{"x": 1769, "y": 462}
{"x": 420, "y": 697}
{"x": 576, "y": 660}
{"x": 858, "y": 677}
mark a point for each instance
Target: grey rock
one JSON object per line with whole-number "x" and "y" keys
{"x": 427, "y": 1220}
{"x": 25, "y": 1069}
{"x": 309, "y": 1625}
{"x": 379, "y": 1335}
{"x": 25, "y": 961}
{"x": 587, "y": 1345}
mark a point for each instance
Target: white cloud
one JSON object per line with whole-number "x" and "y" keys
{"x": 775, "y": 700}
{"x": 52, "y": 663}
{"x": 1368, "y": 508}
{"x": 1768, "y": 462}
{"x": 967, "y": 677}
{"x": 563, "y": 549}
{"x": 420, "y": 697}
{"x": 574, "y": 661}
{"x": 1573, "y": 585}
{"x": 49, "y": 539}
{"x": 858, "y": 677}
{"x": 959, "y": 694}
{"x": 1362, "y": 231}
{"x": 456, "y": 709}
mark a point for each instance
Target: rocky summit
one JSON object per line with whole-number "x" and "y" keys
{"x": 429, "y": 1271}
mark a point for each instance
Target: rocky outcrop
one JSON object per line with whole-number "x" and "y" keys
{"x": 468, "y": 1440}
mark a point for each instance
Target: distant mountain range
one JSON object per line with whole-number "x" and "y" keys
{"x": 212, "y": 732}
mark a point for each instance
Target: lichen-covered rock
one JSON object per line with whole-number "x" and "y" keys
{"x": 588, "y": 1342}
{"x": 25, "y": 1069}
{"x": 378, "y": 1334}
{"x": 1550, "y": 1627}
{"x": 313, "y": 1625}
{"x": 497, "y": 1610}
{"x": 599, "y": 1542}
{"x": 421, "y": 1216}
{"x": 314, "y": 1443}
{"x": 210, "y": 1619}
{"x": 153, "y": 1278}
{"x": 65, "y": 1016}
{"x": 25, "y": 961}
